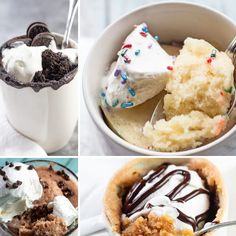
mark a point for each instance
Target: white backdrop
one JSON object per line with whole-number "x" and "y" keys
{"x": 96, "y": 15}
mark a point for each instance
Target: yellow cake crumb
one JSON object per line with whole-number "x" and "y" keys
{"x": 152, "y": 225}
{"x": 183, "y": 131}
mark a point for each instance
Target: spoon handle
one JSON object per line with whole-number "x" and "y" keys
{"x": 73, "y": 5}
{"x": 214, "y": 227}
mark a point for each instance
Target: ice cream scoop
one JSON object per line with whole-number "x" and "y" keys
{"x": 140, "y": 72}
{"x": 19, "y": 188}
{"x": 170, "y": 190}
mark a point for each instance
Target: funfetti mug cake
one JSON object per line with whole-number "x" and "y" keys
{"x": 39, "y": 86}
{"x": 159, "y": 52}
{"x": 199, "y": 83}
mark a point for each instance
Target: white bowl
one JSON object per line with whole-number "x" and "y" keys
{"x": 171, "y": 21}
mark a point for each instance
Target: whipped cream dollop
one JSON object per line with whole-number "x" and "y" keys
{"x": 24, "y": 61}
{"x": 64, "y": 209}
{"x": 19, "y": 188}
{"x": 173, "y": 191}
{"x": 140, "y": 72}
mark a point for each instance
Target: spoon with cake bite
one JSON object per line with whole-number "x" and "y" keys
{"x": 213, "y": 227}
{"x": 158, "y": 112}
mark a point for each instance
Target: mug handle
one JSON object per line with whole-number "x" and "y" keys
{"x": 92, "y": 225}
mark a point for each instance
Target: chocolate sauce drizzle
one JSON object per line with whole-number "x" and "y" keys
{"x": 132, "y": 201}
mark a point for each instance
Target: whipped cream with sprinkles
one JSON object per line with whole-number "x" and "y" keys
{"x": 140, "y": 72}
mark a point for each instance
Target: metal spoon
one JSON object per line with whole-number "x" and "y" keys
{"x": 73, "y": 5}
{"x": 158, "y": 112}
{"x": 214, "y": 227}
{"x": 231, "y": 52}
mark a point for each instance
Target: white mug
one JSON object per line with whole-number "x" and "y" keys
{"x": 49, "y": 116}
{"x": 171, "y": 21}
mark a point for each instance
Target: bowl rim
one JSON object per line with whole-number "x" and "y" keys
{"x": 100, "y": 123}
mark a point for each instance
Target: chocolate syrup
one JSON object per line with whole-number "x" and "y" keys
{"x": 132, "y": 201}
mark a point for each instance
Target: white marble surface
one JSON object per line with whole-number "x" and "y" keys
{"x": 94, "y": 143}
{"x": 97, "y": 171}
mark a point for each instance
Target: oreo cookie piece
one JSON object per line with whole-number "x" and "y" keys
{"x": 36, "y": 28}
{"x": 42, "y": 39}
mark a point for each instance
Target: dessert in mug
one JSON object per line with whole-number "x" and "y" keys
{"x": 37, "y": 200}
{"x": 35, "y": 59}
{"x": 149, "y": 197}
{"x": 199, "y": 83}
{"x": 38, "y": 81}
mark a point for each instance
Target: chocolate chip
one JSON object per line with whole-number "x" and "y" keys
{"x": 67, "y": 192}
{"x": 30, "y": 167}
{"x": 66, "y": 177}
{"x": 14, "y": 186}
{"x": 2, "y": 173}
{"x": 42, "y": 39}
{"x": 7, "y": 185}
{"x": 18, "y": 182}
{"x": 5, "y": 178}
{"x": 60, "y": 184}
{"x": 50, "y": 167}
{"x": 44, "y": 184}
{"x": 6, "y": 163}
{"x": 11, "y": 165}
{"x": 63, "y": 174}
{"x": 36, "y": 28}
{"x": 18, "y": 167}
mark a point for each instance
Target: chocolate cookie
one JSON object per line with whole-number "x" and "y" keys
{"x": 36, "y": 28}
{"x": 42, "y": 39}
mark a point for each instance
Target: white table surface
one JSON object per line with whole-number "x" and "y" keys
{"x": 93, "y": 143}
{"x": 97, "y": 171}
